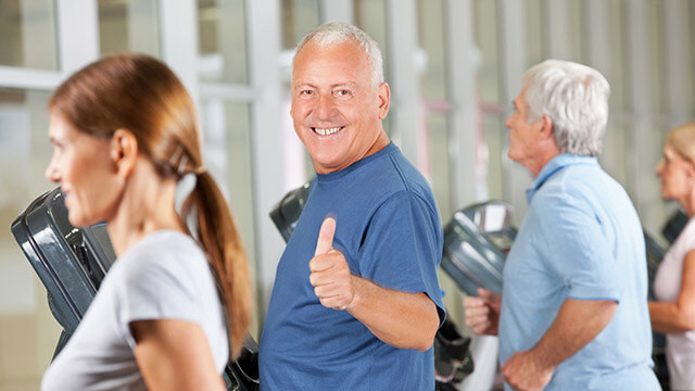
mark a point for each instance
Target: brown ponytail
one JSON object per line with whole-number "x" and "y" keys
{"x": 220, "y": 239}
{"x": 139, "y": 93}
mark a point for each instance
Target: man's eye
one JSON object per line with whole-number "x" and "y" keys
{"x": 343, "y": 93}
{"x": 306, "y": 93}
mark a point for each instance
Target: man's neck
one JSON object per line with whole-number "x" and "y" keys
{"x": 380, "y": 143}
{"x": 537, "y": 166}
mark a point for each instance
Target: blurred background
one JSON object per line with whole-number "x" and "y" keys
{"x": 454, "y": 67}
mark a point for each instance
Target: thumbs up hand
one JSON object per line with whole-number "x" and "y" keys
{"x": 330, "y": 274}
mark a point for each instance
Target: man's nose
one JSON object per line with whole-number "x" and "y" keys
{"x": 326, "y": 107}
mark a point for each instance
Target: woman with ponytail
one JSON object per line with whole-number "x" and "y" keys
{"x": 176, "y": 304}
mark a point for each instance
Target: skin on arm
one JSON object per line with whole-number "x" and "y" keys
{"x": 679, "y": 316}
{"x": 403, "y": 320}
{"x": 483, "y": 312}
{"x": 577, "y": 323}
{"x": 400, "y": 319}
{"x": 174, "y": 355}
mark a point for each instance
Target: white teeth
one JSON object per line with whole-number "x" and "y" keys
{"x": 327, "y": 131}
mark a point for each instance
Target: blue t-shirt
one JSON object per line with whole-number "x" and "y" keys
{"x": 581, "y": 239}
{"x": 389, "y": 231}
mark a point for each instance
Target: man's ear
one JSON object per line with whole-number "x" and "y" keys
{"x": 384, "y": 94}
{"x": 546, "y": 127}
{"x": 124, "y": 151}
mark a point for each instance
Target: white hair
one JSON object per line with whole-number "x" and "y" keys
{"x": 338, "y": 32}
{"x": 575, "y": 97}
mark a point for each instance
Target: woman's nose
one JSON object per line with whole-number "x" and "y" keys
{"x": 52, "y": 173}
{"x": 659, "y": 167}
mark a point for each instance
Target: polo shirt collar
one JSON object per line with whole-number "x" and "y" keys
{"x": 553, "y": 166}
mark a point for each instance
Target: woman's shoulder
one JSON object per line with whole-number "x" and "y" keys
{"x": 163, "y": 252}
{"x": 166, "y": 275}
{"x": 685, "y": 242}
{"x": 164, "y": 242}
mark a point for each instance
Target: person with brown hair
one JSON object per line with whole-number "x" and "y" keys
{"x": 674, "y": 285}
{"x": 124, "y": 132}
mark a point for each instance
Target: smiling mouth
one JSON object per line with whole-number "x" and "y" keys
{"x": 327, "y": 131}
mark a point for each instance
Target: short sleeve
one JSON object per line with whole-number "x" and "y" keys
{"x": 578, "y": 249}
{"x": 402, "y": 247}
{"x": 156, "y": 285}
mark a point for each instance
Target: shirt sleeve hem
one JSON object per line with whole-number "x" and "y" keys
{"x": 595, "y": 297}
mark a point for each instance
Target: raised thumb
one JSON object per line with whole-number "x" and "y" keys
{"x": 324, "y": 243}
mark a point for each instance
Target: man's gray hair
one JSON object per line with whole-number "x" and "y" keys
{"x": 575, "y": 97}
{"x": 338, "y": 32}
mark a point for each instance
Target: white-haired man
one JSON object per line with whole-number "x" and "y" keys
{"x": 356, "y": 301}
{"x": 573, "y": 309}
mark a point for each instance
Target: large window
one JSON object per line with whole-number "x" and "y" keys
{"x": 28, "y": 333}
{"x": 27, "y": 34}
{"x": 222, "y": 41}
{"x": 224, "y": 109}
{"x": 129, "y": 25}
{"x": 298, "y": 18}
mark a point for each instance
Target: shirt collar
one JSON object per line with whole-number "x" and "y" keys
{"x": 553, "y": 166}
{"x": 390, "y": 147}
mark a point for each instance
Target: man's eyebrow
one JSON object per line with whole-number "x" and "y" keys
{"x": 350, "y": 84}
{"x": 304, "y": 84}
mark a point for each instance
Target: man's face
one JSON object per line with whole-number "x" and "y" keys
{"x": 524, "y": 137}
{"x": 336, "y": 109}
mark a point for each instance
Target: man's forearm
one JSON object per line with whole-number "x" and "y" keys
{"x": 577, "y": 323}
{"x": 400, "y": 319}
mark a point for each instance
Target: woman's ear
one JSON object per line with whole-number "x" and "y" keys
{"x": 124, "y": 151}
{"x": 690, "y": 171}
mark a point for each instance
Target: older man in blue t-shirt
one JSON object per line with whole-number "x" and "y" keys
{"x": 573, "y": 312}
{"x": 356, "y": 301}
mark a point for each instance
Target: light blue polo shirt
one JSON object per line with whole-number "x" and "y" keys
{"x": 581, "y": 239}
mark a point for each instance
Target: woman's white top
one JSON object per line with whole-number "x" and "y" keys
{"x": 680, "y": 347}
{"x": 164, "y": 276}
